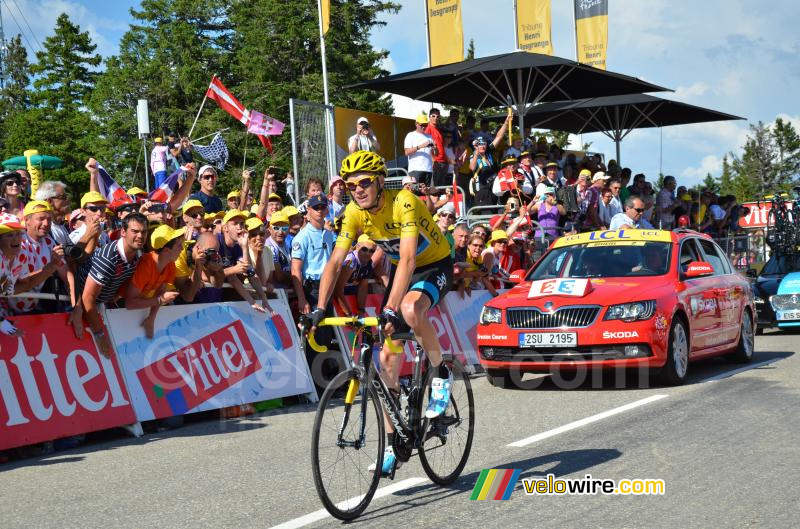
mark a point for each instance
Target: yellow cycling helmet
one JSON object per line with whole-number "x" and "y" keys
{"x": 362, "y": 162}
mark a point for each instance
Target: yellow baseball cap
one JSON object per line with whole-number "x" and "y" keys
{"x": 253, "y": 223}
{"x": 136, "y": 191}
{"x": 92, "y": 197}
{"x": 585, "y": 172}
{"x": 163, "y": 234}
{"x": 36, "y": 206}
{"x": 498, "y": 235}
{"x": 275, "y": 196}
{"x": 279, "y": 216}
{"x": 364, "y": 239}
{"x": 422, "y": 119}
{"x": 290, "y": 211}
{"x": 193, "y": 203}
{"x": 234, "y": 194}
{"x": 233, "y": 214}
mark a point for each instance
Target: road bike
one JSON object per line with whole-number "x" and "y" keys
{"x": 349, "y": 435}
{"x": 783, "y": 226}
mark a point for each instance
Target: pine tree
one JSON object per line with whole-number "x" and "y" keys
{"x": 64, "y": 74}
{"x": 726, "y": 186}
{"x": 756, "y": 171}
{"x": 711, "y": 183}
{"x": 787, "y": 142}
{"x": 15, "y": 95}
{"x": 58, "y": 123}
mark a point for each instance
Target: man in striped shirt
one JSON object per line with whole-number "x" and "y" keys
{"x": 104, "y": 274}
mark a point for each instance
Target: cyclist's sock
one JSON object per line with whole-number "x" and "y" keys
{"x": 390, "y": 439}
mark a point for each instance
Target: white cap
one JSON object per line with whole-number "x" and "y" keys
{"x": 409, "y": 180}
{"x": 449, "y": 208}
{"x": 600, "y": 175}
{"x": 362, "y": 118}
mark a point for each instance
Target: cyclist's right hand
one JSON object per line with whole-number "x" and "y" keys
{"x": 391, "y": 321}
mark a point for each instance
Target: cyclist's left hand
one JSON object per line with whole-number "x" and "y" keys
{"x": 392, "y": 321}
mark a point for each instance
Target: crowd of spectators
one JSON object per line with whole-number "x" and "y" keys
{"x": 201, "y": 247}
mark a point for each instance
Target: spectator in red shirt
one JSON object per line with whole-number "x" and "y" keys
{"x": 438, "y": 154}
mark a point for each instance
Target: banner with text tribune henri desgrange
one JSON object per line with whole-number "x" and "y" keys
{"x": 445, "y": 31}
{"x": 533, "y": 26}
{"x": 591, "y": 32}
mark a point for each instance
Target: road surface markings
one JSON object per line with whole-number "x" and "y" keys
{"x": 727, "y": 374}
{"x": 322, "y": 513}
{"x": 588, "y": 420}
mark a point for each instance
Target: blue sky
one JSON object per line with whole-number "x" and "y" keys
{"x": 736, "y": 56}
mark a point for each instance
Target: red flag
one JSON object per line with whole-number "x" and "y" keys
{"x": 231, "y": 105}
{"x": 506, "y": 180}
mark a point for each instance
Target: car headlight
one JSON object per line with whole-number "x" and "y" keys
{"x": 490, "y": 315}
{"x": 785, "y": 302}
{"x": 638, "y": 310}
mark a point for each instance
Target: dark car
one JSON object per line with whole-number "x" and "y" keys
{"x": 767, "y": 283}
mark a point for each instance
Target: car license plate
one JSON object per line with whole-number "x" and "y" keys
{"x": 789, "y": 315}
{"x": 547, "y": 339}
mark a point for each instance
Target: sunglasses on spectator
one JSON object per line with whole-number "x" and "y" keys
{"x": 94, "y": 209}
{"x": 320, "y": 207}
{"x": 639, "y": 210}
{"x": 208, "y": 176}
{"x": 62, "y": 196}
{"x": 367, "y": 250}
{"x": 364, "y": 183}
{"x": 127, "y": 207}
{"x": 446, "y": 216}
{"x": 280, "y": 228}
{"x": 12, "y": 183}
{"x": 199, "y": 214}
{"x": 157, "y": 208}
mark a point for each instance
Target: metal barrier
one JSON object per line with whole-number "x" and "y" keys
{"x": 744, "y": 249}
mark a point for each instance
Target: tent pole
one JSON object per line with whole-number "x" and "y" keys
{"x": 521, "y": 105}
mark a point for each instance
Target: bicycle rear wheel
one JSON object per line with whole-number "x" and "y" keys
{"x": 346, "y": 440}
{"x": 448, "y": 438}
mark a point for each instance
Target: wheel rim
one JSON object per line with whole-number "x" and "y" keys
{"x": 680, "y": 350}
{"x": 748, "y": 341}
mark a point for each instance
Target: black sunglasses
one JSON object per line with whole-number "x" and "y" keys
{"x": 367, "y": 250}
{"x": 639, "y": 210}
{"x": 320, "y": 207}
{"x": 95, "y": 209}
{"x": 199, "y": 214}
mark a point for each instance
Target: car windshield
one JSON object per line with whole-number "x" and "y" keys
{"x": 629, "y": 259}
{"x": 781, "y": 265}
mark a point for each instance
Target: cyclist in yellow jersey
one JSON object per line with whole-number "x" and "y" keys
{"x": 422, "y": 270}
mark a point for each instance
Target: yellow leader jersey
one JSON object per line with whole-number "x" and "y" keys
{"x": 402, "y": 215}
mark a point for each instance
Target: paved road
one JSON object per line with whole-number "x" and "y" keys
{"x": 726, "y": 447}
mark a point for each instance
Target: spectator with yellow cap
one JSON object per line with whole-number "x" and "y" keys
{"x": 92, "y": 233}
{"x": 260, "y": 252}
{"x": 11, "y": 231}
{"x": 296, "y": 222}
{"x": 154, "y": 273}
{"x": 193, "y": 215}
{"x": 417, "y": 147}
{"x": 233, "y": 250}
{"x": 233, "y": 199}
{"x": 506, "y": 257}
{"x": 280, "y": 249}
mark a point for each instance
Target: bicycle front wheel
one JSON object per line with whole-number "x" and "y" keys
{"x": 448, "y": 438}
{"x": 348, "y": 438}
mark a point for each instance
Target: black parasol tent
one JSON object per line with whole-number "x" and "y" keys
{"x": 527, "y": 78}
{"x": 617, "y": 116}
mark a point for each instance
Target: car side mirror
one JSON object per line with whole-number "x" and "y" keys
{"x": 517, "y": 276}
{"x": 698, "y": 269}
{"x": 751, "y": 272}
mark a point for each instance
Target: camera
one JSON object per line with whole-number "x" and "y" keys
{"x": 251, "y": 272}
{"x": 72, "y": 251}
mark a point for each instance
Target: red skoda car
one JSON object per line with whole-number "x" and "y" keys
{"x": 620, "y": 298}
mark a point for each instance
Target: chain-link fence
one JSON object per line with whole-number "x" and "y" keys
{"x": 310, "y": 143}
{"x": 745, "y": 249}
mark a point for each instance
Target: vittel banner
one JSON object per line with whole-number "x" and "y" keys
{"x": 54, "y": 385}
{"x": 208, "y": 356}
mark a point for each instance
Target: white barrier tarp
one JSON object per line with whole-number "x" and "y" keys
{"x": 464, "y": 314}
{"x": 208, "y": 356}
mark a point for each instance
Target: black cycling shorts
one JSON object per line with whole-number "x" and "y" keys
{"x": 434, "y": 280}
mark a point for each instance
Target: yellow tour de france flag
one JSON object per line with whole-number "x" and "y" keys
{"x": 533, "y": 26}
{"x": 325, "y": 7}
{"x": 591, "y": 32}
{"x": 445, "y": 33}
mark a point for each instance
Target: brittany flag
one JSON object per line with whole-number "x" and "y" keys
{"x": 495, "y": 484}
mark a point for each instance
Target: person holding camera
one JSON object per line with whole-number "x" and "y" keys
{"x": 418, "y": 147}
{"x": 364, "y": 139}
{"x": 92, "y": 233}
{"x": 233, "y": 248}
{"x": 197, "y": 264}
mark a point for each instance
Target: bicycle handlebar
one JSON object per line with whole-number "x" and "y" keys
{"x": 345, "y": 321}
